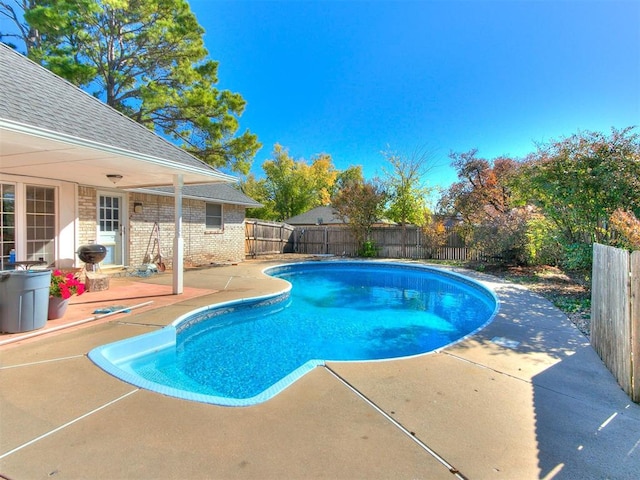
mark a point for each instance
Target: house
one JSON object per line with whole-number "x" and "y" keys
{"x": 75, "y": 171}
{"x": 323, "y": 215}
{"x": 326, "y": 216}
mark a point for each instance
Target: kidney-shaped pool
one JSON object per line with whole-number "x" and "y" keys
{"x": 245, "y": 352}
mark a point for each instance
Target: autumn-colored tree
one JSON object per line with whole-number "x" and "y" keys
{"x": 483, "y": 199}
{"x": 361, "y": 204}
{"x": 483, "y": 189}
{"x": 627, "y": 227}
{"x": 434, "y": 232}
{"x": 292, "y": 187}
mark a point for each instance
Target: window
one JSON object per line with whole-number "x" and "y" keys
{"x": 41, "y": 223}
{"x": 213, "y": 216}
{"x": 109, "y": 214}
{"x": 7, "y": 221}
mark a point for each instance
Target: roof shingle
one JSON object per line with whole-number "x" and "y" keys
{"x": 33, "y": 96}
{"x": 222, "y": 192}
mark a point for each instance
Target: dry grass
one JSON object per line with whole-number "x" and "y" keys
{"x": 570, "y": 292}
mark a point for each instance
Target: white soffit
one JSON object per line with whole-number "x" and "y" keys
{"x": 74, "y": 160}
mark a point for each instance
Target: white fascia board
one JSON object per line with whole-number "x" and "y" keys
{"x": 193, "y": 197}
{"x": 80, "y": 142}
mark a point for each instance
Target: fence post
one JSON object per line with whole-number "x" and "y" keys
{"x": 326, "y": 240}
{"x": 635, "y": 326}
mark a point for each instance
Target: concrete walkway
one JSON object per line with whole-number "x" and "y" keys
{"x": 483, "y": 408}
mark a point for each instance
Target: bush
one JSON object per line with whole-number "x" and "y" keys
{"x": 368, "y": 250}
{"x": 502, "y": 237}
{"x": 627, "y": 229}
{"x": 542, "y": 246}
{"x": 578, "y": 256}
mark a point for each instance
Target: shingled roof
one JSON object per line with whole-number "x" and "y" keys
{"x": 36, "y": 102}
{"x": 323, "y": 215}
{"x": 220, "y": 192}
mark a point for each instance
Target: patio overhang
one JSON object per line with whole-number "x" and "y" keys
{"x": 33, "y": 152}
{"x": 28, "y": 151}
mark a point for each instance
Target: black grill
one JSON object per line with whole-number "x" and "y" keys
{"x": 92, "y": 253}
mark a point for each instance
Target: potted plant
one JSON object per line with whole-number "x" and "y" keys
{"x": 63, "y": 286}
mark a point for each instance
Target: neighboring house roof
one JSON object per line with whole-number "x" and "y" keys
{"x": 77, "y": 136}
{"x": 218, "y": 192}
{"x": 326, "y": 215}
{"x": 323, "y": 215}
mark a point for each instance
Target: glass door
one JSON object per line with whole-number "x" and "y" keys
{"x": 111, "y": 227}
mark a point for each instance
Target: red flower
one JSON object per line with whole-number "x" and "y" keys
{"x": 65, "y": 285}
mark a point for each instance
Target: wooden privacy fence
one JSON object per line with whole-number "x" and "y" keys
{"x": 327, "y": 240}
{"x": 264, "y": 238}
{"x": 615, "y": 314}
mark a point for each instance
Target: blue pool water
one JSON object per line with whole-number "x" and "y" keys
{"x": 242, "y": 353}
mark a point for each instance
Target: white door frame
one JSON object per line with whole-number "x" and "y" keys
{"x": 117, "y": 244}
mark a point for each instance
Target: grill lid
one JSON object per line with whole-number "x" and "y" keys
{"x": 92, "y": 253}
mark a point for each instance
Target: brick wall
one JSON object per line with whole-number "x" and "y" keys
{"x": 87, "y": 211}
{"x": 201, "y": 246}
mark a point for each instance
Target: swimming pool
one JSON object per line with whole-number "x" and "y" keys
{"x": 245, "y": 352}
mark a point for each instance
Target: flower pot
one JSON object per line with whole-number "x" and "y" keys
{"x": 57, "y": 307}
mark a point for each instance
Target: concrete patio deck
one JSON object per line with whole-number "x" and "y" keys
{"x": 547, "y": 408}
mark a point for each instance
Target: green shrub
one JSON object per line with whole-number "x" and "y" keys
{"x": 368, "y": 250}
{"x": 578, "y": 256}
{"x": 541, "y": 243}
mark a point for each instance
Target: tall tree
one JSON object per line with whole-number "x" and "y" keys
{"x": 14, "y": 11}
{"x": 258, "y": 189}
{"x": 360, "y": 204}
{"x": 295, "y": 186}
{"x": 406, "y": 190}
{"x": 482, "y": 197}
{"x": 147, "y": 59}
{"x": 346, "y": 177}
{"x": 483, "y": 187}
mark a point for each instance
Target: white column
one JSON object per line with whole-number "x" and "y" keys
{"x": 178, "y": 241}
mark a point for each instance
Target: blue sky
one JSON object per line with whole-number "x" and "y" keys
{"x": 352, "y": 78}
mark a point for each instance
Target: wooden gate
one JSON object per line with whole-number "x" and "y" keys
{"x": 615, "y": 314}
{"x": 265, "y": 238}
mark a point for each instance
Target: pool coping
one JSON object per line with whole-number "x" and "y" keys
{"x": 112, "y": 356}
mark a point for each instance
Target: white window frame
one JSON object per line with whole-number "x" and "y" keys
{"x": 41, "y": 221}
{"x": 207, "y": 217}
{"x": 6, "y": 244}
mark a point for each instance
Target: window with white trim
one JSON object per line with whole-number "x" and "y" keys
{"x": 41, "y": 223}
{"x": 213, "y": 216}
{"x": 7, "y": 222}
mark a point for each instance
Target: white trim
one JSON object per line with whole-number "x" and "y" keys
{"x": 71, "y": 140}
{"x": 149, "y": 191}
{"x": 123, "y": 221}
{"x": 178, "y": 241}
{"x": 207, "y": 228}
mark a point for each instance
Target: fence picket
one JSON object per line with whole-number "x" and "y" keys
{"x": 614, "y": 335}
{"x": 264, "y": 237}
{"x": 635, "y": 326}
